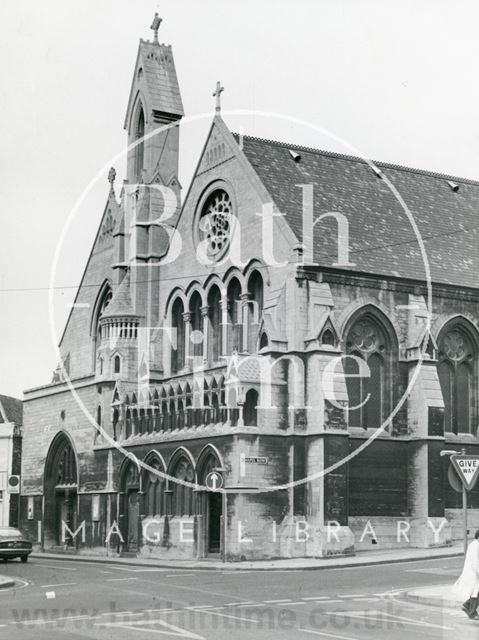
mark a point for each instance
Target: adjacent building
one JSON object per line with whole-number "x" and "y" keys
{"x": 10, "y": 459}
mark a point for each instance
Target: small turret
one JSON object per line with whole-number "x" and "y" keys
{"x": 118, "y": 350}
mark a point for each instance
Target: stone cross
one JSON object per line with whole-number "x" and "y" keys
{"x": 111, "y": 176}
{"x": 155, "y": 25}
{"x": 217, "y": 93}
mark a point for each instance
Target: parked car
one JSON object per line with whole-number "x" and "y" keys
{"x": 13, "y": 544}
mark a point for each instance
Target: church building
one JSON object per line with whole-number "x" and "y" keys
{"x": 266, "y": 366}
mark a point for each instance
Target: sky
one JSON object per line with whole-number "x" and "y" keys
{"x": 394, "y": 79}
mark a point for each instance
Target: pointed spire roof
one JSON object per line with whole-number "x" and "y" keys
{"x": 155, "y": 78}
{"x": 120, "y": 305}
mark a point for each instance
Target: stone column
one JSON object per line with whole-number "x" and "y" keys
{"x": 241, "y": 414}
{"x": 245, "y": 300}
{"x": 205, "y": 318}
{"x": 224, "y": 326}
{"x": 187, "y": 321}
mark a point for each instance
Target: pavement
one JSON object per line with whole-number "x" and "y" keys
{"x": 364, "y": 558}
{"x": 437, "y": 595}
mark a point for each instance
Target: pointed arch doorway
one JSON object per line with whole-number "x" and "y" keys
{"x": 60, "y": 491}
{"x": 211, "y": 506}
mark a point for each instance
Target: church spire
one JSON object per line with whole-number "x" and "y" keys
{"x": 154, "y": 101}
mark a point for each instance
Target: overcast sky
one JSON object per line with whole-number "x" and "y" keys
{"x": 396, "y": 79}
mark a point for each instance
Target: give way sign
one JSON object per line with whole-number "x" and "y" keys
{"x": 467, "y": 468}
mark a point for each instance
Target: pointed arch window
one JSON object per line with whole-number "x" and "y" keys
{"x": 255, "y": 308}
{"x": 235, "y": 320}
{"x": 369, "y": 369}
{"x": 178, "y": 325}
{"x": 251, "y": 408}
{"x": 104, "y": 300}
{"x": 214, "y": 324}
{"x": 117, "y": 364}
{"x": 196, "y": 337}
{"x": 457, "y": 369}
{"x": 139, "y": 149}
{"x": 154, "y": 489}
{"x": 182, "y": 495}
{"x": 61, "y": 467}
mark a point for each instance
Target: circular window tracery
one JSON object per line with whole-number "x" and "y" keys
{"x": 215, "y": 224}
{"x": 364, "y": 336}
{"x": 455, "y": 346}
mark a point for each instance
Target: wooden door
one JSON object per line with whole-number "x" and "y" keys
{"x": 133, "y": 514}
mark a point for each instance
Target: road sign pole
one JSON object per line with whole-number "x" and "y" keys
{"x": 225, "y": 522}
{"x": 467, "y": 469}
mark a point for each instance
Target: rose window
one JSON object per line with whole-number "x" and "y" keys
{"x": 216, "y": 223}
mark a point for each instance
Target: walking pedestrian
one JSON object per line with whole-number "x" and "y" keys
{"x": 467, "y": 585}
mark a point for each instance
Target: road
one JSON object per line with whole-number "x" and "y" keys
{"x": 77, "y": 600}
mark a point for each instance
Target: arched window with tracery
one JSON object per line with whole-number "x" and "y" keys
{"x": 139, "y": 149}
{"x": 182, "y": 495}
{"x": 369, "y": 371}
{"x": 66, "y": 470}
{"x": 154, "y": 489}
{"x": 255, "y": 308}
{"x": 178, "y": 326}
{"x": 457, "y": 370}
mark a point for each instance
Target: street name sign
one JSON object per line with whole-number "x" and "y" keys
{"x": 214, "y": 481}
{"x": 467, "y": 468}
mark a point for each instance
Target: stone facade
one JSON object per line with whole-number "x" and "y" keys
{"x": 224, "y": 338}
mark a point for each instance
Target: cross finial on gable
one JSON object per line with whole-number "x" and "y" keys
{"x": 155, "y": 25}
{"x": 217, "y": 93}
{"x": 111, "y": 177}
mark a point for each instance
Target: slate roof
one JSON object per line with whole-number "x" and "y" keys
{"x": 11, "y": 409}
{"x": 381, "y": 237}
{"x": 121, "y": 304}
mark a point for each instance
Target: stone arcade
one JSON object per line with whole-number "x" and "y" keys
{"x": 168, "y": 347}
